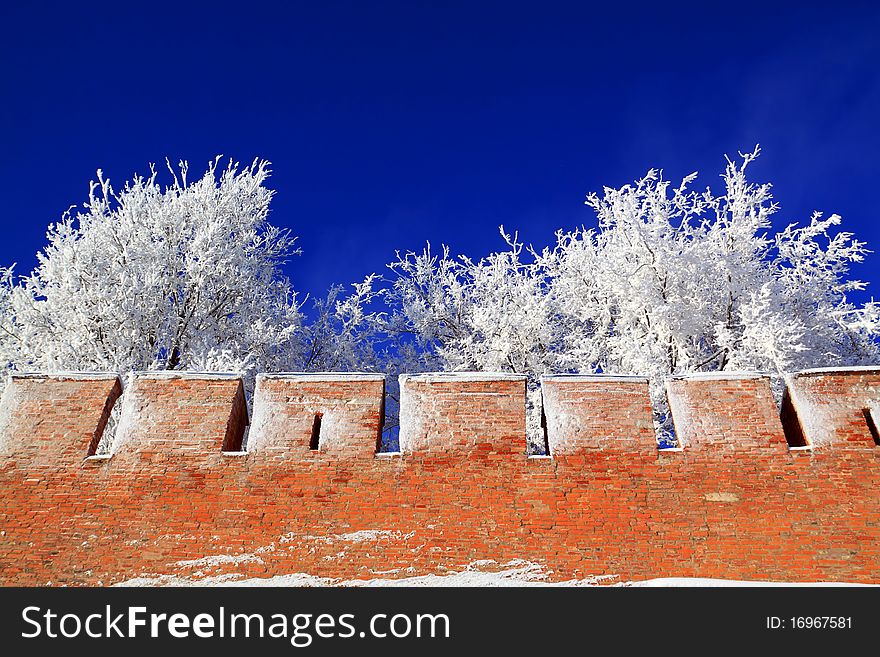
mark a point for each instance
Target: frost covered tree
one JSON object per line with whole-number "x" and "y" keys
{"x": 458, "y": 314}
{"x": 181, "y": 277}
{"x": 670, "y": 281}
{"x": 342, "y": 335}
{"x": 677, "y": 281}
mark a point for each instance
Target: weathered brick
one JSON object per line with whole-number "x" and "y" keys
{"x": 735, "y": 502}
{"x": 338, "y": 414}
{"x": 833, "y": 406}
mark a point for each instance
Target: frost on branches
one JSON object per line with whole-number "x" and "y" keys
{"x": 672, "y": 280}
{"x": 185, "y": 277}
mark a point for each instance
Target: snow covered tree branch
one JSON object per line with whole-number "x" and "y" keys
{"x": 185, "y": 277}
{"x": 670, "y": 281}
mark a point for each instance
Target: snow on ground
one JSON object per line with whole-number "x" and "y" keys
{"x": 708, "y": 582}
{"x": 361, "y": 536}
{"x": 513, "y": 573}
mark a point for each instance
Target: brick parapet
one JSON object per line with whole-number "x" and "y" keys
{"x": 734, "y": 502}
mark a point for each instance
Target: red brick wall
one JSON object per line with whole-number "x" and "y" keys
{"x": 597, "y": 413}
{"x": 736, "y": 502}
{"x": 467, "y": 414}
{"x": 726, "y": 412}
{"x": 171, "y": 416}
{"x": 344, "y": 411}
{"x": 46, "y": 420}
{"x": 829, "y": 407}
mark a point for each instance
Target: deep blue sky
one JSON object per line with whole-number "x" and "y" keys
{"x": 389, "y": 123}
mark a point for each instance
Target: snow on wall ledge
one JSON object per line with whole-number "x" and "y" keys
{"x": 833, "y": 407}
{"x": 736, "y": 412}
{"x": 750, "y": 496}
